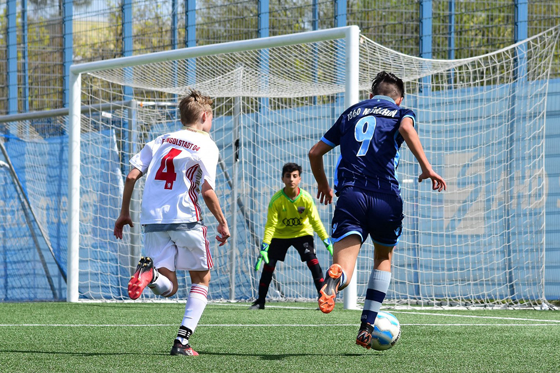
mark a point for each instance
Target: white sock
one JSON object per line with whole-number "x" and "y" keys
{"x": 162, "y": 285}
{"x": 196, "y": 303}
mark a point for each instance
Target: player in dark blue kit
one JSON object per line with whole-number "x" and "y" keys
{"x": 370, "y": 134}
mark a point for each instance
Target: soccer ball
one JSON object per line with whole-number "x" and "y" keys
{"x": 386, "y": 331}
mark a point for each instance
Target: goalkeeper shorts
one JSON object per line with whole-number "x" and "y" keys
{"x": 304, "y": 245}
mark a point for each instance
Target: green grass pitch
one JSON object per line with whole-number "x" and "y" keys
{"x": 285, "y": 337}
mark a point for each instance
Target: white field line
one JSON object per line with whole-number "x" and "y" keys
{"x": 475, "y": 316}
{"x": 429, "y": 313}
{"x": 410, "y": 313}
{"x": 242, "y": 325}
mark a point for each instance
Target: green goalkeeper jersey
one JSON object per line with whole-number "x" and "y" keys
{"x": 291, "y": 218}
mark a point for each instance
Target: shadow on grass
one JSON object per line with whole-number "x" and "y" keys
{"x": 133, "y": 305}
{"x": 79, "y": 353}
{"x": 270, "y": 357}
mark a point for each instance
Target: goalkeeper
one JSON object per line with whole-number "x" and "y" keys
{"x": 292, "y": 218}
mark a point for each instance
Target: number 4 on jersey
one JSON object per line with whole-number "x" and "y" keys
{"x": 166, "y": 171}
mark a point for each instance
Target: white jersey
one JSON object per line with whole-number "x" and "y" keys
{"x": 176, "y": 165}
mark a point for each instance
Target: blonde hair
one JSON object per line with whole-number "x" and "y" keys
{"x": 192, "y": 106}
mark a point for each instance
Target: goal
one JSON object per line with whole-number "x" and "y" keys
{"x": 481, "y": 121}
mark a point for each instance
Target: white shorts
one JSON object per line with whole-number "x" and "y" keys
{"x": 187, "y": 250}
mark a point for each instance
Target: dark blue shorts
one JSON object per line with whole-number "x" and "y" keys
{"x": 367, "y": 213}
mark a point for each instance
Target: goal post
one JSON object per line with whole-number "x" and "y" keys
{"x": 481, "y": 121}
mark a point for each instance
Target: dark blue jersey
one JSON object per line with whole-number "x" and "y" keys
{"x": 369, "y": 139}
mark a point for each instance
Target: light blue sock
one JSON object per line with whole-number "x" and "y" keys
{"x": 378, "y": 286}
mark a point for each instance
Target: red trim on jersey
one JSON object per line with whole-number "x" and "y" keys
{"x": 207, "y": 244}
{"x": 192, "y": 189}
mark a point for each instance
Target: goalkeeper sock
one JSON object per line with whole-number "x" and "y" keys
{"x": 378, "y": 286}
{"x": 196, "y": 303}
{"x": 264, "y": 283}
{"x": 160, "y": 284}
{"x": 317, "y": 272}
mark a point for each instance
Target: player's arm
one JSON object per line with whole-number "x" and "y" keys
{"x": 318, "y": 227}
{"x": 410, "y": 135}
{"x": 124, "y": 217}
{"x": 324, "y": 192}
{"x": 211, "y": 200}
{"x": 271, "y": 223}
{"x": 269, "y": 229}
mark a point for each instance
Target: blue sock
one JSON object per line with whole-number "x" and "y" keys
{"x": 378, "y": 286}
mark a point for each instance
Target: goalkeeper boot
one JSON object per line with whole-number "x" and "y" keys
{"x": 257, "y": 305}
{"x": 364, "y": 335}
{"x": 181, "y": 349}
{"x": 330, "y": 288}
{"x": 142, "y": 277}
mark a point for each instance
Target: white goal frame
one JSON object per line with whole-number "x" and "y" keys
{"x": 481, "y": 120}
{"x": 351, "y": 35}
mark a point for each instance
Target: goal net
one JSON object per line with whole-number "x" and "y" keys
{"x": 481, "y": 121}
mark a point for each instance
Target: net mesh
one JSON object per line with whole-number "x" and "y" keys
{"x": 481, "y": 121}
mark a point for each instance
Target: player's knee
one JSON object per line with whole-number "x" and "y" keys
{"x": 200, "y": 277}
{"x": 382, "y": 252}
{"x": 171, "y": 292}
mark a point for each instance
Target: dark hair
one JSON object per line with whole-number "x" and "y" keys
{"x": 387, "y": 84}
{"x": 291, "y": 167}
{"x": 193, "y": 105}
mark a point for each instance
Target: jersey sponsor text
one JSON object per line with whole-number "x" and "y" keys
{"x": 182, "y": 143}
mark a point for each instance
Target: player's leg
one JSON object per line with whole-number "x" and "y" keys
{"x": 196, "y": 304}
{"x": 264, "y": 283}
{"x": 345, "y": 254}
{"x": 306, "y": 248}
{"x": 378, "y": 285}
{"x": 349, "y": 230}
{"x": 386, "y": 211}
{"x": 164, "y": 282}
{"x": 276, "y": 252}
{"x": 193, "y": 255}
{"x": 160, "y": 253}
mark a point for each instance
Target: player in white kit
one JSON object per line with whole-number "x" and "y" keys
{"x": 178, "y": 167}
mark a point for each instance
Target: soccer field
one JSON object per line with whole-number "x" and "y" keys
{"x": 285, "y": 337}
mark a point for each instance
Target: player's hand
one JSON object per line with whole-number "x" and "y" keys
{"x": 437, "y": 181}
{"x": 264, "y": 252}
{"x": 122, "y": 220}
{"x": 263, "y": 256}
{"x": 329, "y": 245}
{"x": 324, "y": 194}
{"x": 223, "y": 235}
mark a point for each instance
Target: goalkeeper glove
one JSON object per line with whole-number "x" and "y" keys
{"x": 263, "y": 256}
{"x": 328, "y": 244}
